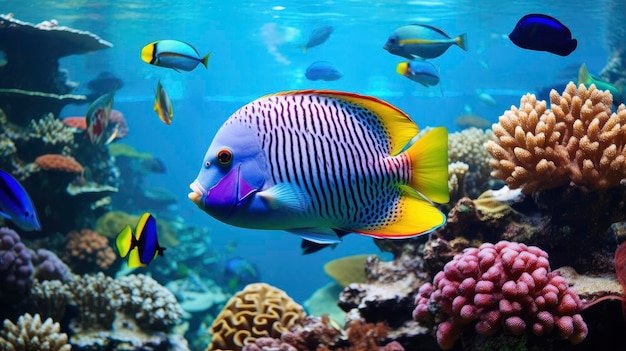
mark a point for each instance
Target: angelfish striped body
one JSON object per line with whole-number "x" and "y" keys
{"x": 318, "y": 163}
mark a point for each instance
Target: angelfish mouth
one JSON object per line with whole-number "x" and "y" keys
{"x": 196, "y": 193}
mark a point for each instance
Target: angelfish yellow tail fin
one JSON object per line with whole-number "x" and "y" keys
{"x": 429, "y": 159}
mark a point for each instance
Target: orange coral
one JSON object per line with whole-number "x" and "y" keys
{"x": 56, "y": 162}
{"x": 76, "y": 122}
{"x": 87, "y": 251}
{"x": 579, "y": 140}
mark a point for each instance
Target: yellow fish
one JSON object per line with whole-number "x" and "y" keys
{"x": 163, "y": 105}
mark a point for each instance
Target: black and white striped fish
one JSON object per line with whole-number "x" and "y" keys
{"x": 323, "y": 163}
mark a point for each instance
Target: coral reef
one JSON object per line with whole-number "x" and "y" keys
{"x": 98, "y": 299}
{"x": 507, "y": 286}
{"x": 468, "y": 146}
{"x": 16, "y": 269}
{"x": 30, "y": 334}
{"x": 48, "y": 266}
{"x": 259, "y": 310}
{"x": 59, "y": 163}
{"x": 87, "y": 251}
{"x": 150, "y": 304}
{"x": 31, "y": 84}
{"x": 579, "y": 140}
{"x": 49, "y": 298}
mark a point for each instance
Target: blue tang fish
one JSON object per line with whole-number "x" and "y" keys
{"x": 142, "y": 246}
{"x": 98, "y": 116}
{"x": 16, "y": 205}
{"x": 318, "y": 36}
{"x": 323, "y": 163}
{"x": 419, "y": 71}
{"x": 421, "y": 40}
{"x": 322, "y": 70}
{"x": 543, "y": 33}
{"x": 173, "y": 54}
{"x": 163, "y": 105}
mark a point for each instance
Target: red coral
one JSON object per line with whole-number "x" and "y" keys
{"x": 56, "y": 162}
{"x": 503, "y": 286}
{"x": 88, "y": 252}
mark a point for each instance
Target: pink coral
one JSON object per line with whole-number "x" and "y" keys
{"x": 503, "y": 286}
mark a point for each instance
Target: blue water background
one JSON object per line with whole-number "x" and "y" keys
{"x": 256, "y": 50}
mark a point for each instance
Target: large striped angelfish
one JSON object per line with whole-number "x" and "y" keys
{"x": 321, "y": 164}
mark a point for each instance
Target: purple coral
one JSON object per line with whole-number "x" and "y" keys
{"x": 16, "y": 270}
{"x": 48, "y": 266}
{"x": 503, "y": 286}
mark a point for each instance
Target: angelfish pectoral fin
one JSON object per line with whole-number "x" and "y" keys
{"x": 285, "y": 196}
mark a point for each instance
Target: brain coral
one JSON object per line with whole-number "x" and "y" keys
{"x": 500, "y": 286}
{"x": 30, "y": 334}
{"x": 579, "y": 140}
{"x": 259, "y": 310}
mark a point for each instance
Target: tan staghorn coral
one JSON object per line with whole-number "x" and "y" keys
{"x": 259, "y": 310}
{"x": 30, "y": 334}
{"x": 579, "y": 140}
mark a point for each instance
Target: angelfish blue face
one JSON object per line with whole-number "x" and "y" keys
{"x": 230, "y": 174}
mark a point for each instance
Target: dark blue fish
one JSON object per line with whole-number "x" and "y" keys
{"x": 322, "y": 70}
{"x": 543, "y": 33}
{"x": 143, "y": 245}
{"x": 318, "y": 36}
{"x": 16, "y": 205}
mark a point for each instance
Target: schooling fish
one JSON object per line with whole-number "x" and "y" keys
{"x": 322, "y": 70}
{"x": 423, "y": 41}
{"x": 419, "y": 71}
{"x": 318, "y": 36}
{"x": 173, "y": 54}
{"x": 543, "y": 33}
{"x": 142, "y": 246}
{"x": 163, "y": 105}
{"x": 98, "y": 115}
{"x": 16, "y": 205}
{"x": 322, "y": 163}
{"x": 585, "y": 78}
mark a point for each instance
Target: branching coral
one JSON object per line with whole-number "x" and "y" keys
{"x": 579, "y": 140}
{"x": 49, "y": 298}
{"x": 87, "y": 251}
{"x": 98, "y": 299}
{"x": 30, "y": 334}
{"x": 258, "y": 310}
{"x": 503, "y": 286}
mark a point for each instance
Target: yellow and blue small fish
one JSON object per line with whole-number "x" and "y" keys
{"x": 142, "y": 246}
{"x": 419, "y": 71}
{"x": 98, "y": 115}
{"x": 163, "y": 105}
{"x": 421, "y": 40}
{"x": 173, "y": 54}
{"x": 16, "y": 205}
{"x": 585, "y": 78}
{"x": 330, "y": 163}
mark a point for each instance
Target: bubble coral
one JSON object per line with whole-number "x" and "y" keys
{"x": 16, "y": 269}
{"x": 579, "y": 140}
{"x": 259, "y": 310}
{"x": 87, "y": 251}
{"x": 30, "y": 334}
{"x": 56, "y": 162}
{"x": 48, "y": 266}
{"x": 505, "y": 286}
